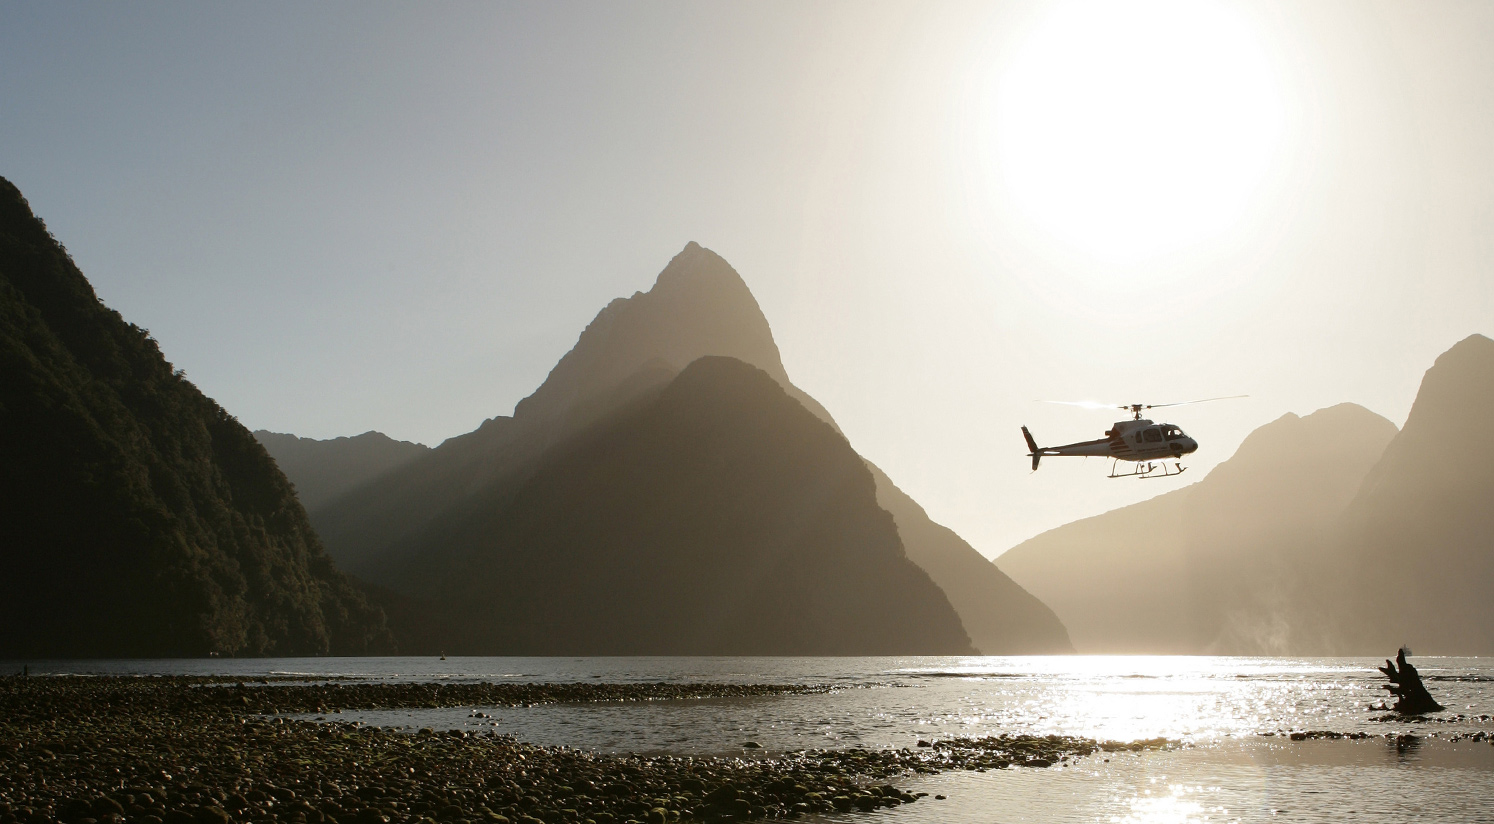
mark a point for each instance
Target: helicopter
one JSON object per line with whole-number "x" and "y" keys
{"x": 1150, "y": 445}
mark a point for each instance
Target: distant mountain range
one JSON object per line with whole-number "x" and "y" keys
{"x": 324, "y": 469}
{"x": 668, "y": 490}
{"x": 398, "y": 529}
{"x": 138, "y": 517}
{"x": 1327, "y": 534}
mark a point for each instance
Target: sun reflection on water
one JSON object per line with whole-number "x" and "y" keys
{"x": 1126, "y": 698}
{"x": 1174, "y": 807}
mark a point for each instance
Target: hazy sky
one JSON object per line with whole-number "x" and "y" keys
{"x": 343, "y": 217}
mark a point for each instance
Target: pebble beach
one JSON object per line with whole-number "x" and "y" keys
{"x": 179, "y": 749}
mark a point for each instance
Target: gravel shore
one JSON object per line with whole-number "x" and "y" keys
{"x": 184, "y": 750}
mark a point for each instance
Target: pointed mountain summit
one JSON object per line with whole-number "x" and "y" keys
{"x": 1415, "y": 564}
{"x": 1220, "y": 567}
{"x": 137, "y": 517}
{"x": 698, "y": 307}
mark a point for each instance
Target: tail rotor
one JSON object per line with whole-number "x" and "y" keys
{"x": 1032, "y": 446}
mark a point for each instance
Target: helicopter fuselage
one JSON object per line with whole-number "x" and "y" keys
{"x": 1135, "y": 440}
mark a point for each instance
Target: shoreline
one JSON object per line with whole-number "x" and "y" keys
{"x": 180, "y": 749}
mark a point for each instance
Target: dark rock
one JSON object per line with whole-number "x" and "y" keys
{"x": 722, "y": 795}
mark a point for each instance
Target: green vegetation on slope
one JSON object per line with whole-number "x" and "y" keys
{"x": 137, "y": 517}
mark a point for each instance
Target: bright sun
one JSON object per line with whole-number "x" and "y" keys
{"x": 1124, "y": 130}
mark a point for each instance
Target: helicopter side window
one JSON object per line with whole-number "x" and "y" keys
{"x": 1173, "y": 433}
{"x": 1153, "y": 436}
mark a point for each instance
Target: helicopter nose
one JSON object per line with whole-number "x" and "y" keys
{"x": 1189, "y": 446}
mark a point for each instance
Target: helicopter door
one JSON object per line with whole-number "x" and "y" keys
{"x": 1154, "y": 436}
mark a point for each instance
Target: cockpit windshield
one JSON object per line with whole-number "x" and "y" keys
{"x": 1173, "y": 433}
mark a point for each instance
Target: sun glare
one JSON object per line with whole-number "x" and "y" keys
{"x": 1125, "y": 130}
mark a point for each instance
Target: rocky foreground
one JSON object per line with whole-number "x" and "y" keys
{"x": 179, "y": 750}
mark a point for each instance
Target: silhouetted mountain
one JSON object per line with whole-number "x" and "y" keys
{"x": 1001, "y": 617}
{"x": 323, "y": 470}
{"x": 1222, "y": 566}
{"x": 718, "y": 517}
{"x": 698, "y": 307}
{"x": 137, "y": 517}
{"x": 1416, "y": 557}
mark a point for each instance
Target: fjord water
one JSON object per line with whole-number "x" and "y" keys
{"x": 1218, "y": 710}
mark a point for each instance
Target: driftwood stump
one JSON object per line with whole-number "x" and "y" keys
{"x": 1405, "y": 683}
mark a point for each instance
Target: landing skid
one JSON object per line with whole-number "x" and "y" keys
{"x": 1149, "y": 469}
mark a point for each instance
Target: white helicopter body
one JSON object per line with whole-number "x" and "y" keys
{"x": 1148, "y": 444}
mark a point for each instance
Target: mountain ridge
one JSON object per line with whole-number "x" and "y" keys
{"x": 326, "y": 468}
{"x": 1222, "y": 566}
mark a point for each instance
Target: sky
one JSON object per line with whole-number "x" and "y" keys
{"x": 342, "y": 217}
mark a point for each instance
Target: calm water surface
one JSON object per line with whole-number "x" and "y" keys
{"x": 1216, "y": 708}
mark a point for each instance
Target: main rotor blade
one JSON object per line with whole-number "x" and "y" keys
{"x": 1204, "y": 400}
{"x": 1088, "y": 404}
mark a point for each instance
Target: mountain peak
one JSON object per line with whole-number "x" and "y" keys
{"x": 1344, "y": 434}
{"x": 1458, "y": 385}
{"x": 696, "y": 263}
{"x": 1473, "y": 349}
{"x": 697, "y": 306}
{"x": 1446, "y": 438}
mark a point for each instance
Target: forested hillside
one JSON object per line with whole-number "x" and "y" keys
{"x": 137, "y": 516}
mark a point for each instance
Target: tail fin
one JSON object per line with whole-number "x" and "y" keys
{"x": 1036, "y": 454}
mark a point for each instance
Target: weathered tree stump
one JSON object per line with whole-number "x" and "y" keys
{"x": 1412, "y": 697}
